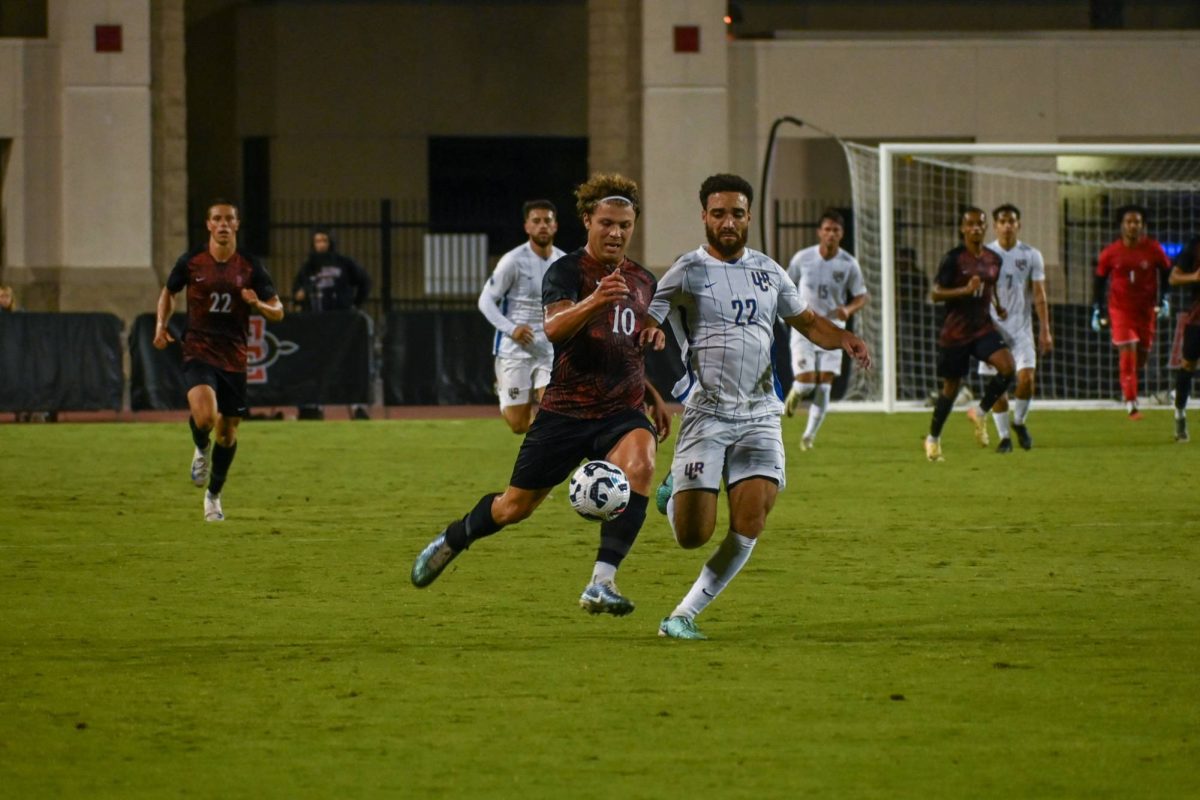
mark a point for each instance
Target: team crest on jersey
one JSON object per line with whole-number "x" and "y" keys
{"x": 513, "y": 393}
{"x": 762, "y": 280}
{"x": 263, "y": 349}
{"x": 839, "y": 275}
{"x": 1022, "y": 264}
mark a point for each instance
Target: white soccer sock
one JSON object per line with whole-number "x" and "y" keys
{"x": 816, "y": 411}
{"x": 603, "y": 572}
{"x": 1020, "y": 410}
{"x": 716, "y": 574}
{"x": 804, "y": 388}
{"x": 1001, "y": 419}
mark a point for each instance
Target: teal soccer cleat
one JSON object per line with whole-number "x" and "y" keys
{"x": 602, "y": 597}
{"x": 679, "y": 628}
{"x": 431, "y": 561}
{"x": 662, "y": 495}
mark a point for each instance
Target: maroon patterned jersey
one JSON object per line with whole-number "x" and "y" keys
{"x": 967, "y": 318}
{"x": 600, "y": 370}
{"x": 218, "y": 317}
{"x": 1188, "y": 262}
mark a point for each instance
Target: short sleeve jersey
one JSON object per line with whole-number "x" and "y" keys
{"x": 726, "y": 313}
{"x": 599, "y": 371}
{"x": 516, "y": 288}
{"x": 826, "y": 284}
{"x": 967, "y": 318}
{"x": 1133, "y": 274}
{"x": 218, "y": 318}
{"x": 1019, "y": 268}
{"x": 1188, "y": 262}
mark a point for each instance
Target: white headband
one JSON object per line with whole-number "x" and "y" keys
{"x": 615, "y": 198}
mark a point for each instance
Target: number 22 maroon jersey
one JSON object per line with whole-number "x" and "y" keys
{"x": 218, "y": 317}
{"x": 599, "y": 371}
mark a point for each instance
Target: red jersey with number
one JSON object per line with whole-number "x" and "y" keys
{"x": 599, "y": 371}
{"x": 1133, "y": 274}
{"x": 218, "y": 317}
{"x": 968, "y": 318}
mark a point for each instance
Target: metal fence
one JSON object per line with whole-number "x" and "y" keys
{"x": 796, "y": 223}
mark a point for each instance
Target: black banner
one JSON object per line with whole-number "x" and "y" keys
{"x": 438, "y": 358}
{"x": 60, "y": 362}
{"x": 305, "y": 359}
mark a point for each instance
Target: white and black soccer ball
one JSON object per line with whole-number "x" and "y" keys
{"x": 599, "y": 491}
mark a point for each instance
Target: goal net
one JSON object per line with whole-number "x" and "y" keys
{"x": 907, "y": 203}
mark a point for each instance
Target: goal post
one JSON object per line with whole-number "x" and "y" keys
{"x": 908, "y": 199}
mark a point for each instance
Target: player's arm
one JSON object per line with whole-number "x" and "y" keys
{"x": 1185, "y": 270}
{"x": 565, "y": 318}
{"x": 943, "y": 291}
{"x": 489, "y": 304}
{"x": 271, "y": 309}
{"x": 825, "y": 334}
{"x": 848, "y": 310}
{"x": 656, "y": 407}
{"x": 166, "y": 307}
{"x": 1040, "y": 304}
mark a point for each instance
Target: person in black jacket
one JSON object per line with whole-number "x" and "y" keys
{"x": 329, "y": 281}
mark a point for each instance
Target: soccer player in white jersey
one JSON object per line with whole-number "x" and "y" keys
{"x": 831, "y": 284}
{"x": 723, "y": 299}
{"x": 1022, "y": 288}
{"x": 512, "y": 301}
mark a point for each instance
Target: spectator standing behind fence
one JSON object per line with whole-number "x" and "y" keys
{"x": 329, "y": 281}
{"x": 512, "y": 301}
{"x": 8, "y": 300}
{"x": 223, "y": 285}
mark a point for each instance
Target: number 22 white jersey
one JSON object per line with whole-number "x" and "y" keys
{"x": 723, "y": 315}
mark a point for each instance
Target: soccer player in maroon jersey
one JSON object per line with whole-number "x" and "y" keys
{"x": 223, "y": 286}
{"x": 1130, "y": 267}
{"x": 595, "y": 301}
{"x": 966, "y": 283}
{"x": 1186, "y": 272}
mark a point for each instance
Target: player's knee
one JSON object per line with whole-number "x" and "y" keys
{"x": 509, "y": 511}
{"x": 689, "y": 537}
{"x": 205, "y": 421}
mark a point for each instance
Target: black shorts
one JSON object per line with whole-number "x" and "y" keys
{"x": 954, "y": 362}
{"x": 229, "y": 386}
{"x": 1191, "y": 343}
{"x": 557, "y": 443}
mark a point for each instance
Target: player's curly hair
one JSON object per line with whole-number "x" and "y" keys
{"x": 603, "y": 185}
{"x": 725, "y": 182}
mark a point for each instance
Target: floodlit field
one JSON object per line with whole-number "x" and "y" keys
{"x": 994, "y": 626}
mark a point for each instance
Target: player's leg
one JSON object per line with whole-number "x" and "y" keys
{"x": 231, "y": 408}
{"x": 1183, "y": 379}
{"x": 999, "y": 411}
{"x": 1023, "y": 398}
{"x": 755, "y": 473}
{"x": 201, "y": 381}
{"x": 551, "y": 449}
{"x": 952, "y": 365}
{"x": 831, "y": 366}
{"x": 514, "y": 385}
{"x": 803, "y": 369}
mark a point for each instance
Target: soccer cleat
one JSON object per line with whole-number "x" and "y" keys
{"x": 662, "y": 495}
{"x": 1132, "y": 409}
{"x": 1005, "y": 445}
{"x": 1181, "y": 431}
{"x": 212, "y": 508}
{"x": 792, "y": 401}
{"x": 201, "y": 466}
{"x": 807, "y": 442}
{"x": 933, "y": 450}
{"x": 679, "y": 628}
{"x": 1023, "y": 437}
{"x": 432, "y": 560}
{"x": 602, "y": 597}
{"x": 979, "y": 423}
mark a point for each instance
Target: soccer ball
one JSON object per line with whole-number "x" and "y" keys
{"x": 599, "y": 491}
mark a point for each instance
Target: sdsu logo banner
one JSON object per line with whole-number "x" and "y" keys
{"x": 263, "y": 349}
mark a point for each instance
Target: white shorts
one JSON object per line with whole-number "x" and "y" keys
{"x": 517, "y": 379}
{"x": 1024, "y": 353}
{"x": 807, "y": 357}
{"x": 710, "y": 449}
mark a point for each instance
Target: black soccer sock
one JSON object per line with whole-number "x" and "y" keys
{"x": 997, "y": 386}
{"x": 222, "y": 457}
{"x": 941, "y": 411}
{"x": 618, "y": 535}
{"x": 477, "y": 524}
{"x": 1183, "y": 388}
{"x": 200, "y": 437}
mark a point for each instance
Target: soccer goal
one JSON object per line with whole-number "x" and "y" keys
{"x": 907, "y": 203}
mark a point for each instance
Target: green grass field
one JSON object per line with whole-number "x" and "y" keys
{"x": 994, "y": 626}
